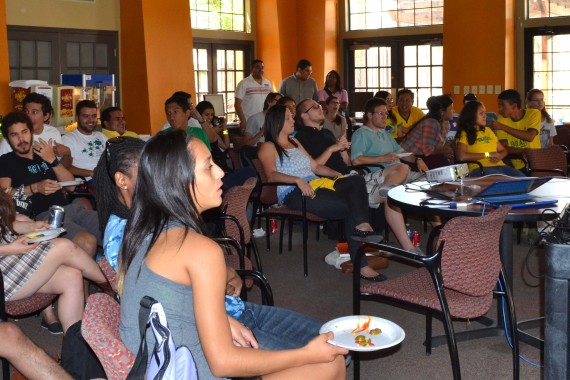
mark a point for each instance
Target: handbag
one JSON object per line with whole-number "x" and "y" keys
{"x": 168, "y": 362}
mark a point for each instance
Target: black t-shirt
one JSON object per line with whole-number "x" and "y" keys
{"x": 316, "y": 142}
{"x": 24, "y": 171}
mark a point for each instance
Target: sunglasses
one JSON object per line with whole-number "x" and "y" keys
{"x": 112, "y": 142}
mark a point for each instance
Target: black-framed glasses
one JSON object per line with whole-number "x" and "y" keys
{"x": 316, "y": 106}
{"x": 108, "y": 144}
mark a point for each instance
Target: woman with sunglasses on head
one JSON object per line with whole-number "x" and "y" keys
{"x": 285, "y": 160}
{"x": 165, "y": 256}
{"x": 428, "y": 135}
{"x": 56, "y": 266}
{"x": 333, "y": 88}
{"x": 535, "y": 100}
{"x": 333, "y": 121}
{"x": 114, "y": 179}
{"x": 477, "y": 142}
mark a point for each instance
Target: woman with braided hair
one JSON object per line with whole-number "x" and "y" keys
{"x": 114, "y": 183}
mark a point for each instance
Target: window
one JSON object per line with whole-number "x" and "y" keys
{"x": 415, "y": 65}
{"x": 228, "y": 15}
{"x": 218, "y": 68}
{"x": 382, "y": 14}
{"x": 548, "y": 54}
{"x": 548, "y": 8}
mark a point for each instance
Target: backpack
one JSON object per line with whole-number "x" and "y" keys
{"x": 78, "y": 358}
{"x": 168, "y": 362}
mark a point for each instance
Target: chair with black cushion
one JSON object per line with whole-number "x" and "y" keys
{"x": 267, "y": 206}
{"x": 20, "y": 308}
{"x": 458, "y": 280}
{"x": 547, "y": 161}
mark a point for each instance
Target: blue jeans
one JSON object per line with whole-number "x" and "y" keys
{"x": 279, "y": 329}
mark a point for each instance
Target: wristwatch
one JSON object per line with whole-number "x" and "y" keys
{"x": 54, "y": 163}
{"x": 418, "y": 159}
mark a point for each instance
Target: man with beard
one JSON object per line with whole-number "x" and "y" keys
{"x": 33, "y": 172}
{"x": 85, "y": 143}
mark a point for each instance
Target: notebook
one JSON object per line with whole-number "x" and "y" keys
{"x": 514, "y": 192}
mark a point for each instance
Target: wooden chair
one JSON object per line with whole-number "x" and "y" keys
{"x": 458, "y": 280}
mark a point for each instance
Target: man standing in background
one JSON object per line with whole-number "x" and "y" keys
{"x": 300, "y": 86}
{"x": 251, "y": 93}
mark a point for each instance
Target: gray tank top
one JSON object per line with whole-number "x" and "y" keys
{"x": 177, "y": 301}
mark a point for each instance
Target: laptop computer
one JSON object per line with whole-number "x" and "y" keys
{"x": 514, "y": 192}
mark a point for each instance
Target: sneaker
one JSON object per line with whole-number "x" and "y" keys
{"x": 258, "y": 232}
{"x": 335, "y": 258}
{"x": 418, "y": 251}
{"x": 53, "y": 328}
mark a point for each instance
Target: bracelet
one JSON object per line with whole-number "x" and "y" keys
{"x": 225, "y": 132}
{"x": 31, "y": 191}
{"x": 487, "y": 154}
{"x": 8, "y": 190}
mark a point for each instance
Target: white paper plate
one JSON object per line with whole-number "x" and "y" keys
{"x": 43, "y": 235}
{"x": 391, "y": 334}
{"x": 71, "y": 183}
{"x": 405, "y": 154}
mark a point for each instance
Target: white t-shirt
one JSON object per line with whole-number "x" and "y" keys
{"x": 49, "y": 132}
{"x": 547, "y": 130}
{"x": 85, "y": 149}
{"x": 191, "y": 123}
{"x": 254, "y": 125}
{"x": 252, "y": 95}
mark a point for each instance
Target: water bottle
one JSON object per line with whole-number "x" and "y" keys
{"x": 409, "y": 231}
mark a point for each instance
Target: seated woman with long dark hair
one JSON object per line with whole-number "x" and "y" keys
{"x": 54, "y": 267}
{"x": 165, "y": 256}
{"x": 428, "y": 135}
{"x": 477, "y": 142}
{"x": 115, "y": 180}
{"x": 285, "y": 160}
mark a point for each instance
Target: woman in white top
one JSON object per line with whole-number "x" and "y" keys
{"x": 535, "y": 100}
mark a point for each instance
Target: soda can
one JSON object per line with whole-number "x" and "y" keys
{"x": 56, "y": 215}
{"x": 416, "y": 239}
{"x": 273, "y": 225}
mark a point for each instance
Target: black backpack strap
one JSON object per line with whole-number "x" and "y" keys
{"x": 139, "y": 367}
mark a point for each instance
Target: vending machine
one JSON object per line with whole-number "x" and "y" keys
{"x": 97, "y": 87}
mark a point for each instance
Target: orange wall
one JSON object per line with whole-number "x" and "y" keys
{"x": 156, "y": 59}
{"x": 479, "y": 48}
{"x": 5, "y": 104}
{"x": 303, "y": 35}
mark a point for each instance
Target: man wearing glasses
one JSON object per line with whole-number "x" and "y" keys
{"x": 372, "y": 145}
{"x": 300, "y": 86}
{"x": 39, "y": 110}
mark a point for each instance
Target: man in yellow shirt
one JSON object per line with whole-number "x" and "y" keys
{"x": 405, "y": 111}
{"x": 516, "y": 128}
{"x": 114, "y": 123}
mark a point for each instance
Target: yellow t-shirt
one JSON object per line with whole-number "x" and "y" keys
{"x": 530, "y": 120}
{"x": 391, "y": 128}
{"x": 486, "y": 141}
{"x": 111, "y": 134}
{"x": 415, "y": 115}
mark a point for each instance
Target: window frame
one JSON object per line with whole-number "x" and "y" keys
{"x": 397, "y": 59}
